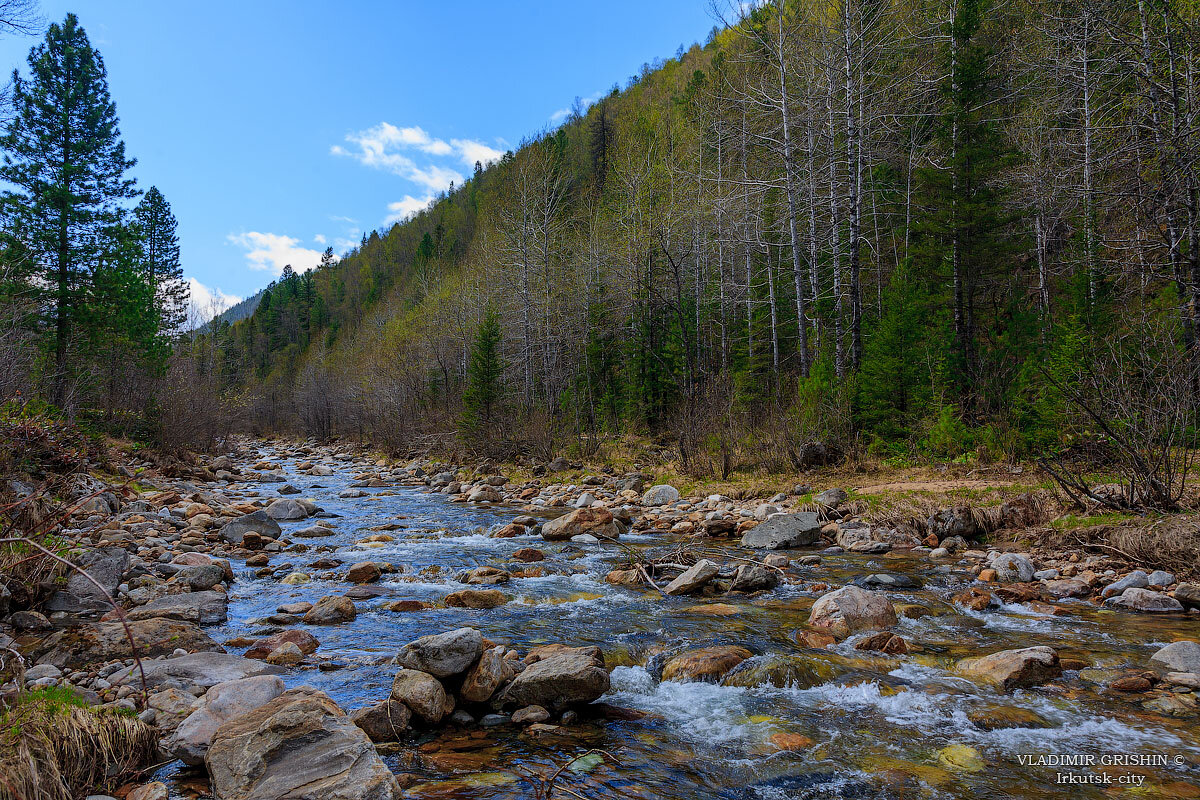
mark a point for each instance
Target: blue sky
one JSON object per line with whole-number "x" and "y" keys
{"x": 277, "y": 128}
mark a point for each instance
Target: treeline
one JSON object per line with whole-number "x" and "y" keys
{"x": 938, "y": 227}
{"x": 92, "y": 294}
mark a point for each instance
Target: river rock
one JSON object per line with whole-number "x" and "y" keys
{"x": 598, "y": 522}
{"x": 482, "y": 680}
{"x": 195, "y": 669}
{"x": 693, "y": 578}
{"x": 313, "y": 532}
{"x": 831, "y": 497}
{"x": 660, "y": 495}
{"x": 1159, "y": 579}
{"x": 849, "y": 610}
{"x": 557, "y": 682}
{"x": 422, "y": 693}
{"x": 530, "y": 715}
{"x": 171, "y": 706}
{"x": 200, "y": 577}
{"x": 1144, "y": 600}
{"x": 1188, "y": 594}
{"x": 1013, "y": 568}
{"x": 484, "y": 494}
{"x": 331, "y": 610}
{"x": 256, "y": 522}
{"x": 363, "y": 572}
{"x": 106, "y": 565}
{"x": 999, "y": 717}
{"x": 202, "y": 608}
{"x": 305, "y": 641}
{"x": 1067, "y": 587}
{"x": 707, "y": 664}
{"x": 383, "y": 722}
{"x": 784, "y": 531}
{"x": 476, "y": 598}
{"x": 221, "y": 703}
{"x": 106, "y": 641}
{"x": 299, "y": 745}
{"x": 1014, "y": 669}
{"x": 287, "y": 509}
{"x": 1134, "y": 580}
{"x": 1183, "y": 656}
{"x": 956, "y": 521}
{"x": 753, "y": 578}
{"x": 442, "y": 654}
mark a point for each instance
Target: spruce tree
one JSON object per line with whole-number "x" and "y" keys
{"x": 485, "y": 374}
{"x": 160, "y": 261}
{"x": 66, "y": 161}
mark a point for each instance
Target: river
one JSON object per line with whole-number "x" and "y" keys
{"x": 879, "y": 726}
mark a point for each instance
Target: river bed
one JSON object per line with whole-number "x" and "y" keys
{"x": 871, "y": 726}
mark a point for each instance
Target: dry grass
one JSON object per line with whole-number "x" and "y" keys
{"x": 1170, "y": 543}
{"x": 52, "y": 749}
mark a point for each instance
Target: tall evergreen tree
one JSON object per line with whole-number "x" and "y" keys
{"x": 66, "y": 160}
{"x": 160, "y": 261}
{"x": 485, "y": 375}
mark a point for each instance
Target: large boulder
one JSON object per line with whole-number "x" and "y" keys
{"x": 1144, "y": 600}
{"x": 200, "y": 577}
{"x": 300, "y": 745}
{"x": 1181, "y": 656}
{"x": 1013, "y": 568}
{"x": 422, "y": 693}
{"x": 1014, "y": 669}
{"x": 557, "y": 682}
{"x": 254, "y": 522}
{"x": 331, "y": 610}
{"x": 783, "y": 531}
{"x": 660, "y": 495}
{"x": 850, "y": 610}
{"x": 598, "y": 522}
{"x": 705, "y": 664}
{"x": 442, "y": 654}
{"x": 202, "y": 608}
{"x": 221, "y": 703}
{"x": 693, "y": 578}
{"x": 106, "y": 566}
{"x": 77, "y": 647}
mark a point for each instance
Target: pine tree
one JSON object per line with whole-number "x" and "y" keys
{"x": 66, "y": 160}
{"x": 485, "y": 375}
{"x": 160, "y": 261}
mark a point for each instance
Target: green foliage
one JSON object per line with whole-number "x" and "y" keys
{"x": 485, "y": 390}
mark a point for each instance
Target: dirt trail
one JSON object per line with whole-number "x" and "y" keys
{"x": 935, "y": 486}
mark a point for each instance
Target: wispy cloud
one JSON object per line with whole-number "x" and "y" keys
{"x": 403, "y": 209}
{"x": 205, "y": 303}
{"x": 394, "y": 149}
{"x": 319, "y": 238}
{"x": 270, "y": 252}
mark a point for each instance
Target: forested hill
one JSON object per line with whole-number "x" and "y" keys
{"x": 919, "y": 227}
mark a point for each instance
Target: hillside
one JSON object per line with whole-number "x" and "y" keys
{"x": 805, "y": 237}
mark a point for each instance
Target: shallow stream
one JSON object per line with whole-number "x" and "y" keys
{"x": 879, "y": 726}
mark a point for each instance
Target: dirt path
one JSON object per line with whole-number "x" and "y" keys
{"x": 935, "y": 486}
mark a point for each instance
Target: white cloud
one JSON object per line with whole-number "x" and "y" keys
{"x": 387, "y": 147}
{"x": 470, "y": 151}
{"x": 560, "y": 115}
{"x": 271, "y": 251}
{"x": 403, "y": 209}
{"x": 319, "y": 239}
{"x": 206, "y": 303}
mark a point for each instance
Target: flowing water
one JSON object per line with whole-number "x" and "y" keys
{"x": 879, "y": 725}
